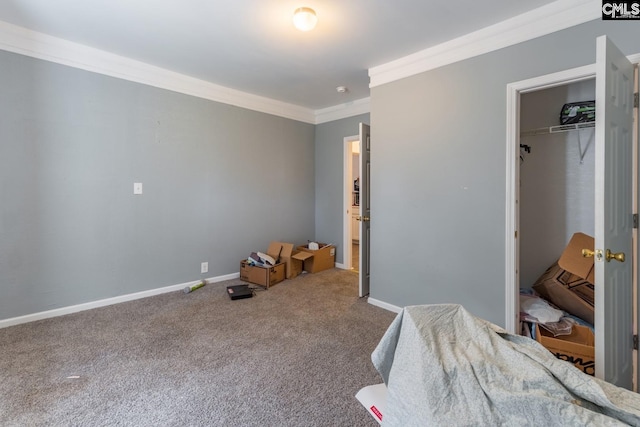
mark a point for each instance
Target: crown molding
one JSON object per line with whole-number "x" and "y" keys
{"x": 545, "y": 20}
{"x": 337, "y": 112}
{"x": 53, "y": 49}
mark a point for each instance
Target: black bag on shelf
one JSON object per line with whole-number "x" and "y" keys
{"x": 578, "y": 112}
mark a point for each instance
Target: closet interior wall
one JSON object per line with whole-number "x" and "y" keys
{"x": 557, "y": 179}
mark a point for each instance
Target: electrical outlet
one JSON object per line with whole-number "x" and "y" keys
{"x": 137, "y": 188}
{"x": 204, "y": 267}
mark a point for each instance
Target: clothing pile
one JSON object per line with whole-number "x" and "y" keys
{"x": 261, "y": 259}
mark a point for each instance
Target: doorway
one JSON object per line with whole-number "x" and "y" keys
{"x": 357, "y": 206}
{"x": 613, "y": 208}
{"x": 512, "y": 223}
{"x": 557, "y": 176}
{"x": 351, "y": 188}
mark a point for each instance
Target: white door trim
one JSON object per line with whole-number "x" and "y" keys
{"x": 347, "y": 188}
{"x": 636, "y": 242}
{"x": 514, "y": 90}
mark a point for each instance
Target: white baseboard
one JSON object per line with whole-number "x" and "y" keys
{"x": 373, "y": 301}
{"x": 385, "y": 305}
{"x": 223, "y": 278}
{"x": 107, "y": 301}
{"x": 5, "y": 323}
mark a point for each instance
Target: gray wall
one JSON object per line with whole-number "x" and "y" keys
{"x": 438, "y": 171}
{"x": 557, "y": 184}
{"x": 329, "y": 179}
{"x": 219, "y": 181}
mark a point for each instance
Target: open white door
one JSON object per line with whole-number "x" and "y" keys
{"x": 613, "y": 216}
{"x": 365, "y": 206}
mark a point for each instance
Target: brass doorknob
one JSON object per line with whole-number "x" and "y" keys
{"x": 362, "y": 218}
{"x": 587, "y": 253}
{"x": 611, "y": 255}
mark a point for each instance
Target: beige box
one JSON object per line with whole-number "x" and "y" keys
{"x": 577, "y": 348}
{"x": 292, "y": 258}
{"x": 298, "y": 261}
{"x": 264, "y": 276}
{"x": 283, "y": 253}
{"x": 323, "y": 258}
{"x": 569, "y": 283}
{"x": 287, "y": 255}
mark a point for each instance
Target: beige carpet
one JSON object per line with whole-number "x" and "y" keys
{"x": 294, "y": 355}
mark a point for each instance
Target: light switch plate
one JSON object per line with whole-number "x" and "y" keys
{"x": 137, "y": 188}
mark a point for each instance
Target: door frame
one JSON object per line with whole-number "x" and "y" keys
{"x": 346, "y": 203}
{"x": 635, "y": 244}
{"x": 512, "y": 214}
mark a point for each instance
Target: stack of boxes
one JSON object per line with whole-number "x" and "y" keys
{"x": 290, "y": 263}
{"x": 568, "y": 284}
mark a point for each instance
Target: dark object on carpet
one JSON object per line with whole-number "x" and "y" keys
{"x": 239, "y": 291}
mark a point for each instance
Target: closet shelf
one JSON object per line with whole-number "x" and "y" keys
{"x": 558, "y": 128}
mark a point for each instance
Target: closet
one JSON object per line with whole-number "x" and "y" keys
{"x": 557, "y": 200}
{"x": 557, "y": 177}
{"x": 561, "y": 183}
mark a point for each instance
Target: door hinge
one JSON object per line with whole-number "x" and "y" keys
{"x": 635, "y": 220}
{"x": 635, "y": 342}
{"x": 636, "y": 101}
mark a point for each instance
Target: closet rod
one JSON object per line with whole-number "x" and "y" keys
{"x": 558, "y": 128}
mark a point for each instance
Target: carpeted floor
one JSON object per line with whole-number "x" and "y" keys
{"x": 294, "y": 355}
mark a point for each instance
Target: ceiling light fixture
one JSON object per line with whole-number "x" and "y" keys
{"x": 305, "y": 19}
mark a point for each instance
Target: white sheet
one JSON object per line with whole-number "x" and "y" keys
{"x": 443, "y": 366}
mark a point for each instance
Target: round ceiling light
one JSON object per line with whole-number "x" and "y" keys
{"x": 305, "y": 19}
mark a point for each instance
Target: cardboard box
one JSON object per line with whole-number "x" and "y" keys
{"x": 577, "y": 348}
{"x": 297, "y": 261}
{"x": 286, "y": 251}
{"x": 267, "y": 275}
{"x": 292, "y": 258}
{"x": 572, "y": 259}
{"x": 264, "y": 276}
{"x": 320, "y": 259}
{"x": 569, "y": 283}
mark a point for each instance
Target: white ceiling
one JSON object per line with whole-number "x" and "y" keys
{"x": 251, "y": 45}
